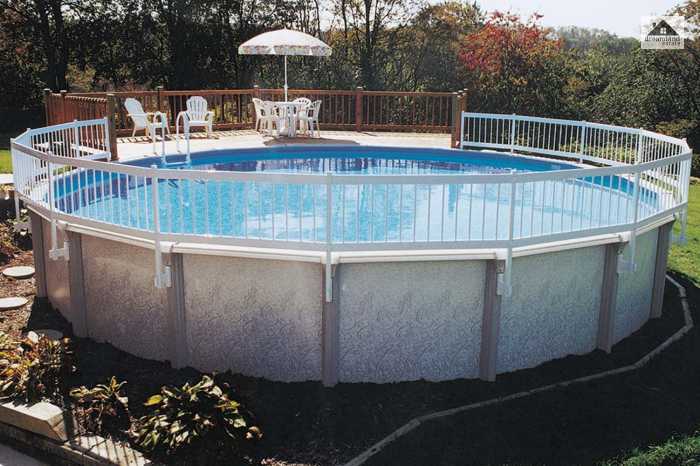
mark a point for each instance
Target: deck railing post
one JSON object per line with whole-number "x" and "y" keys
{"x": 111, "y": 125}
{"x": 358, "y": 108}
{"x": 456, "y": 115}
{"x": 512, "y": 133}
{"x": 159, "y": 98}
{"x": 47, "y": 106}
{"x": 64, "y": 114}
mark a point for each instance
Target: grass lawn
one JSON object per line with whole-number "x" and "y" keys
{"x": 5, "y": 161}
{"x": 686, "y": 259}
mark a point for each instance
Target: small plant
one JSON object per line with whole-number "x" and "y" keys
{"x": 105, "y": 408}
{"x": 195, "y": 415}
{"x": 34, "y": 368}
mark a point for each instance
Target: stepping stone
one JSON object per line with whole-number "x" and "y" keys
{"x": 7, "y": 304}
{"x": 19, "y": 272}
{"x": 48, "y": 333}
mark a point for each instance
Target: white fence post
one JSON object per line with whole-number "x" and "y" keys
{"x": 108, "y": 147}
{"x": 461, "y": 129}
{"x": 640, "y": 144}
{"x": 512, "y": 133}
{"x": 506, "y": 286}
{"x": 329, "y": 234}
{"x": 76, "y": 140}
{"x": 582, "y": 145}
{"x": 162, "y": 275}
{"x": 630, "y": 264}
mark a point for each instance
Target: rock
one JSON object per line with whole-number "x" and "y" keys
{"x": 48, "y": 333}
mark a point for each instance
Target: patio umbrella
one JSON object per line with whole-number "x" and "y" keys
{"x": 285, "y": 42}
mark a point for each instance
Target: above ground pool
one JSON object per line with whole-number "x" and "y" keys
{"x": 364, "y": 209}
{"x": 357, "y": 263}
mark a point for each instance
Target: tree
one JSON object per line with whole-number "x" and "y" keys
{"x": 515, "y": 66}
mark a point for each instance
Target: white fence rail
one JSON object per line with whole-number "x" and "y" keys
{"x": 646, "y": 179}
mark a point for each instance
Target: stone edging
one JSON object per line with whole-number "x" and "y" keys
{"x": 415, "y": 422}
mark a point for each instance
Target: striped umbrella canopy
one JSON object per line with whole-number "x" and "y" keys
{"x": 285, "y": 42}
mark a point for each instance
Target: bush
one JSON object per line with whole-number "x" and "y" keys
{"x": 104, "y": 407}
{"x": 33, "y": 368}
{"x": 201, "y": 415}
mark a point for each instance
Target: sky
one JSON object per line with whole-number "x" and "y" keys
{"x": 621, "y": 17}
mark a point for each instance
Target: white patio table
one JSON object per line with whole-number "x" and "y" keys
{"x": 288, "y": 117}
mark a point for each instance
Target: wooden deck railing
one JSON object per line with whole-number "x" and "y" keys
{"x": 358, "y": 110}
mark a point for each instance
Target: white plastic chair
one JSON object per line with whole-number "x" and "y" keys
{"x": 310, "y": 118}
{"x": 149, "y": 122}
{"x": 196, "y": 116}
{"x": 306, "y": 103}
{"x": 264, "y": 115}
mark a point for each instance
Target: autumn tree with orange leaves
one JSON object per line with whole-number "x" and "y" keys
{"x": 515, "y": 66}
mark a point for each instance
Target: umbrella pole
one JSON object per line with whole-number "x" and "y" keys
{"x": 285, "y": 79}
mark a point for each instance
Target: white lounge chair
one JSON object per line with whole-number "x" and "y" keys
{"x": 150, "y": 122}
{"x": 196, "y": 116}
{"x": 310, "y": 118}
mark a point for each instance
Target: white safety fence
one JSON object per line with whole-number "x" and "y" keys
{"x": 640, "y": 178}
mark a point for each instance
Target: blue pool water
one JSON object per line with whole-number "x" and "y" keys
{"x": 360, "y": 213}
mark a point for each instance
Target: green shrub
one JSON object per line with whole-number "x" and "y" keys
{"x": 33, "y": 368}
{"x": 104, "y": 407}
{"x": 200, "y": 415}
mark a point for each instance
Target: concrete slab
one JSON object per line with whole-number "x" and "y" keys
{"x": 41, "y": 418}
{"x": 19, "y": 273}
{"x": 7, "y": 304}
{"x": 11, "y": 457}
{"x": 140, "y": 147}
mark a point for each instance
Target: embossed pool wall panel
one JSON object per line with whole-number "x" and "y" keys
{"x": 410, "y": 320}
{"x": 123, "y": 306}
{"x": 634, "y": 289}
{"x": 553, "y": 310}
{"x": 57, "y": 284}
{"x": 257, "y": 317}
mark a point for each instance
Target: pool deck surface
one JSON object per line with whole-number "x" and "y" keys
{"x": 133, "y": 148}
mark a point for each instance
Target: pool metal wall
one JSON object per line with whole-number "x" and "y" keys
{"x": 388, "y": 322}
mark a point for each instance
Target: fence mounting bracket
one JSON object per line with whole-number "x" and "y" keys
{"x": 164, "y": 278}
{"x": 504, "y": 287}
{"x": 60, "y": 253}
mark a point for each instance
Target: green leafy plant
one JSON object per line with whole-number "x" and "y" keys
{"x": 195, "y": 415}
{"x": 34, "y": 368}
{"x": 104, "y": 407}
